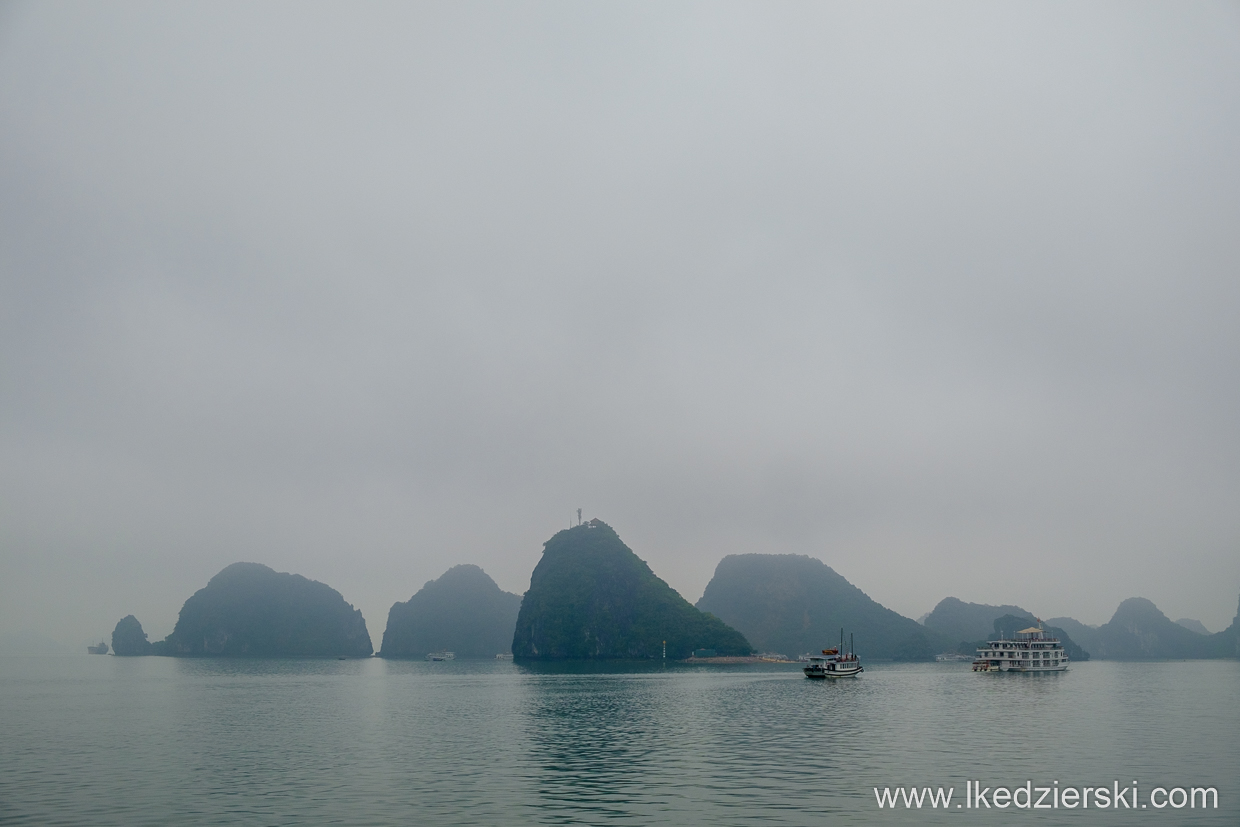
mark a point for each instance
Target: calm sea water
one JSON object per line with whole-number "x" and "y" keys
{"x": 135, "y": 741}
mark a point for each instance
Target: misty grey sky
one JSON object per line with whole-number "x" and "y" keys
{"x": 945, "y": 295}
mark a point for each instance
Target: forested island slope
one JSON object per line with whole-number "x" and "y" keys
{"x": 250, "y": 610}
{"x": 591, "y": 597}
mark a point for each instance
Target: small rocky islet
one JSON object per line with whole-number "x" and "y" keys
{"x": 592, "y": 598}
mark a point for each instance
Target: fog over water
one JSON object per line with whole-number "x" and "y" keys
{"x": 945, "y": 295}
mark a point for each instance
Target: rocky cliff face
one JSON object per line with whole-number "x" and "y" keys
{"x": 591, "y": 597}
{"x": 249, "y": 610}
{"x": 791, "y": 604}
{"x": 464, "y": 611}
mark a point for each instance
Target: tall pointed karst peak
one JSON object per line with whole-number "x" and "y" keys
{"x": 591, "y": 597}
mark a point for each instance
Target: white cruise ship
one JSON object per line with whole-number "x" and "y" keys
{"x": 1028, "y": 650}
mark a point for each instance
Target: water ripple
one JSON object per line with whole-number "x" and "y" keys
{"x": 138, "y": 741}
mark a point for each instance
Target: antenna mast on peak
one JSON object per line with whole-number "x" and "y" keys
{"x": 578, "y": 516}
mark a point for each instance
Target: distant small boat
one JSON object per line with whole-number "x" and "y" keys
{"x": 441, "y": 656}
{"x": 834, "y": 663}
{"x": 504, "y": 656}
{"x": 101, "y": 649}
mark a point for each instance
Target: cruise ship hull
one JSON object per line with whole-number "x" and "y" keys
{"x": 841, "y": 671}
{"x": 1029, "y": 670}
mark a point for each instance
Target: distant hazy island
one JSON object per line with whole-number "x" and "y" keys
{"x": 464, "y": 612}
{"x": 1137, "y": 631}
{"x": 591, "y": 597}
{"x": 249, "y": 610}
{"x": 970, "y": 625}
{"x": 1193, "y": 625}
{"x": 792, "y": 604}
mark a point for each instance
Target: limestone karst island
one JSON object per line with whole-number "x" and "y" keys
{"x": 592, "y": 598}
{"x": 249, "y": 610}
